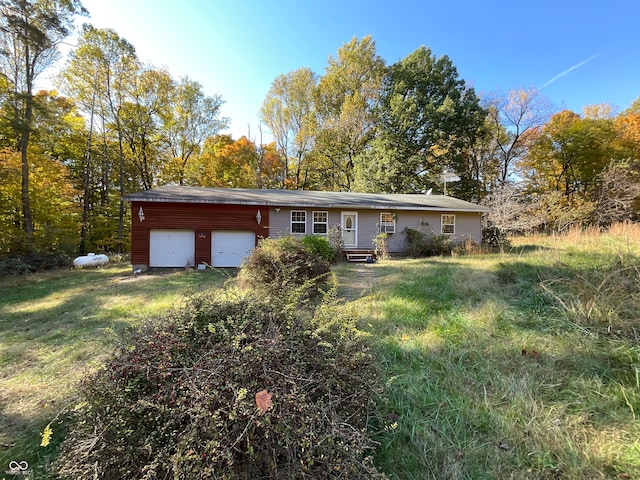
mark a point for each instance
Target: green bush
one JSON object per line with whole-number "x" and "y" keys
{"x": 421, "y": 245}
{"x": 439, "y": 245}
{"x": 319, "y": 246}
{"x": 336, "y": 242}
{"x": 229, "y": 388}
{"x": 283, "y": 268}
{"x": 381, "y": 245}
{"x": 15, "y": 266}
{"x": 493, "y": 237}
{"x": 416, "y": 243}
{"x": 34, "y": 263}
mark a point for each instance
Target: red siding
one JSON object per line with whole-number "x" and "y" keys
{"x": 202, "y": 218}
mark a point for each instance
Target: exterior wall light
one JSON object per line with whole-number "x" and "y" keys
{"x": 258, "y": 217}
{"x": 141, "y": 214}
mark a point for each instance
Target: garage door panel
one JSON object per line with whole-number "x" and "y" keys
{"x": 229, "y": 248}
{"x": 171, "y": 248}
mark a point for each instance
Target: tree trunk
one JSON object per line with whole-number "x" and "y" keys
{"x": 24, "y": 146}
{"x": 87, "y": 184}
{"x": 121, "y": 169}
{"x": 27, "y": 219}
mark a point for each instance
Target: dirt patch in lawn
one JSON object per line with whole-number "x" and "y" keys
{"x": 358, "y": 280}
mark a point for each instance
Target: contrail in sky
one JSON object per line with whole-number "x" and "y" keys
{"x": 568, "y": 70}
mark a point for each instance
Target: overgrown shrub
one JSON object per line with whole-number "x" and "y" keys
{"x": 34, "y": 263}
{"x": 15, "y": 266}
{"x": 416, "y": 242}
{"x": 493, "y": 237}
{"x": 467, "y": 247}
{"x": 439, "y": 245}
{"x": 381, "y": 245}
{"x": 229, "y": 388}
{"x": 283, "y": 268}
{"x": 421, "y": 245}
{"x": 319, "y": 246}
{"x": 336, "y": 242}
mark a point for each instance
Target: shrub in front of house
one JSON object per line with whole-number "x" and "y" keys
{"x": 319, "y": 246}
{"x": 439, "y": 245}
{"x": 468, "y": 246}
{"x": 495, "y": 238}
{"x": 283, "y": 268}
{"x": 421, "y": 245}
{"x": 229, "y": 388}
{"x": 416, "y": 243}
{"x": 337, "y": 243}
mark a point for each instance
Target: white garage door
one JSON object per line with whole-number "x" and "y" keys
{"x": 229, "y": 248}
{"x": 171, "y": 248}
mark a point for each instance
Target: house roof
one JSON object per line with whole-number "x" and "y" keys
{"x": 304, "y": 199}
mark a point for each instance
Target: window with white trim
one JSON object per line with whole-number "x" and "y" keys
{"x": 320, "y": 223}
{"x": 387, "y": 222}
{"x": 298, "y": 221}
{"x": 448, "y": 224}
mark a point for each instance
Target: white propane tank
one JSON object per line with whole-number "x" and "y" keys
{"x": 91, "y": 260}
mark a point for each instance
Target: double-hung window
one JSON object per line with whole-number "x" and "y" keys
{"x": 320, "y": 223}
{"x": 387, "y": 222}
{"x": 448, "y": 224}
{"x": 298, "y": 221}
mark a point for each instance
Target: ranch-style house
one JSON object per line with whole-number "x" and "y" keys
{"x": 176, "y": 226}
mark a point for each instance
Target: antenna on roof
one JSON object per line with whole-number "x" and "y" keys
{"x": 448, "y": 177}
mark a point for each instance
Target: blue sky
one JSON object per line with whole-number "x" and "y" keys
{"x": 579, "y": 52}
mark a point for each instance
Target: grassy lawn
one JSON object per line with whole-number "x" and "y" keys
{"x": 57, "y": 326}
{"x": 520, "y": 365}
{"x": 524, "y": 364}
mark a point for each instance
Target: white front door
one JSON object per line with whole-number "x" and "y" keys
{"x": 350, "y": 229}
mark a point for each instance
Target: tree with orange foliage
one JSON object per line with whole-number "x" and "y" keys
{"x": 567, "y": 154}
{"x": 55, "y": 213}
{"x": 224, "y": 162}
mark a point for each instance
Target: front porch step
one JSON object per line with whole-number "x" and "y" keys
{"x": 360, "y": 255}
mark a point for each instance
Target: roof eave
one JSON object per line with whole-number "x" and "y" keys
{"x": 135, "y": 198}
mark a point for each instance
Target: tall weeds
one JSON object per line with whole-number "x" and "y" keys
{"x": 521, "y": 365}
{"x": 603, "y": 296}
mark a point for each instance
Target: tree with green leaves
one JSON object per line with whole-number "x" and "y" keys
{"x": 289, "y": 112}
{"x": 346, "y": 98}
{"x": 191, "y": 118}
{"x": 104, "y": 65}
{"x": 142, "y": 116}
{"x": 568, "y": 154}
{"x": 31, "y": 33}
{"x": 481, "y": 162}
{"x": 428, "y": 117}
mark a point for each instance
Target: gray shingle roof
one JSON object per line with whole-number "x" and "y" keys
{"x": 304, "y": 198}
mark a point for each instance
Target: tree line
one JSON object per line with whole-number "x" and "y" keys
{"x": 115, "y": 126}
